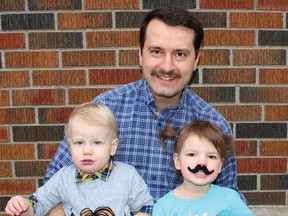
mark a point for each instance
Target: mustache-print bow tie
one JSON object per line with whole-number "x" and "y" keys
{"x": 103, "y": 174}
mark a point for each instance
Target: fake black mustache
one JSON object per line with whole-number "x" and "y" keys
{"x": 203, "y": 168}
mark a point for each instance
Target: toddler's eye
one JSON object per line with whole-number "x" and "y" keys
{"x": 97, "y": 142}
{"x": 191, "y": 154}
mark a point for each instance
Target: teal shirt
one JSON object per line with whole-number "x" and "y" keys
{"x": 218, "y": 201}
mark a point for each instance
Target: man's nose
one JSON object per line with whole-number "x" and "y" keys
{"x": 167, "y": 63}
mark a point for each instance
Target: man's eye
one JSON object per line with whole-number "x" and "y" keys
{"x": 155, "y": 52}
{"x": 181, "y": 55}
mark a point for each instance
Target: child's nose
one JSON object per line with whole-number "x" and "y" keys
{"x": 202, "y": 161}
{"x": 87, "y": 149}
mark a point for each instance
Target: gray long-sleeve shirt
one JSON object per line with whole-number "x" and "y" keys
{"x": 124, "y": 192}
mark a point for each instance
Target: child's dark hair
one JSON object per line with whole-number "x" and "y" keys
{"x": 204, "y": 130}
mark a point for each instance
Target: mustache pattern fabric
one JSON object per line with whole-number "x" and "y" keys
{"x": 203, "y": 168}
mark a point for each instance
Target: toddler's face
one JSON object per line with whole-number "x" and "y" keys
{"x": 91, "y": 145}
{"x": 195, "y": 152}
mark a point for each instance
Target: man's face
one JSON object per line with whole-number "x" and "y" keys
{"x": 168, "y": 59}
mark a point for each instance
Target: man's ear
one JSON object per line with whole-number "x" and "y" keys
{"x": 176, "y": 161}
{"x": 114, "y": 146}
{"x": 140, "y": 55}
{"x": 197, "y": 59}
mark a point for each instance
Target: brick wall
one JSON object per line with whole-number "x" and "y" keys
{"x": 57, "y": 54}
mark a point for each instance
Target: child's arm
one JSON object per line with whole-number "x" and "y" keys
{"x": 18, "y": 205}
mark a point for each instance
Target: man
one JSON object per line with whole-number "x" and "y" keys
{"x": 169, "y": 51}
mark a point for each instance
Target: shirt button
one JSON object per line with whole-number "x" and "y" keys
{"x": 156, "y": 150}
{"x": 154, "y": 178}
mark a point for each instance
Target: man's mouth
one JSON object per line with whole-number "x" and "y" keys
{"x": 166, "y": 78}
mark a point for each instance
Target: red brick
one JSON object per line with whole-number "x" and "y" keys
{"x": 274, "y": 148}
{"x": 256, "y": 20}
{"x": 84, "y": 20}
{"x": 227, "y": 4}
{"x": 12, "y": 5}
{"x": 17, "y": 115}
{"x": 241, "y": 112}
{"x": 5, "y": 98}
{"x": 47, "y": 151}
{"x": 32, "y": 59}
{"x": 112, "y": 4}
{"x": 39, "y": 97}
{"x": 12, "y": 41}
{"x": 4, "y": 134}
{"x": 262, "y": 165}
{"x": 17, "y": 186}
{"x": 89, "y": 58}
{"x": 6, "y": 169}
{"x": 113, "y": 76}
{"x": 112, "y": 39}
{"x": 58, "y": 77}
{"x": 17, "y": 151}
{"x": 214, "y": 57}
{"x": 246, "y": 147}
{"x": 14, "y": 78}
{"x": 54, "y": 115}
{"x": 272, "y": 5}
{"x": 273, "y": 76}
{"x": 229, "y": 38}
{"x": 81, "y": 95}
{"x": 128, "y": 58}
{"x": 276, "y": 113}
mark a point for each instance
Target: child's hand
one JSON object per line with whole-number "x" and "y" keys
{"x": 16, "y": 205}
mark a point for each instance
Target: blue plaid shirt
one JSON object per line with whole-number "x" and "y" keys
{"x": 134, "y": 107}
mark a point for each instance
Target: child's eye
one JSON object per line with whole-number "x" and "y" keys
{"x": 96, "y": 142}
{"x": 212, "y": 157}
{"x": 191, "y": 154}
{"x": 79, "y": 143}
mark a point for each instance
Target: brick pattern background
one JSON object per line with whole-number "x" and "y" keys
{"x": 56, "y": 54}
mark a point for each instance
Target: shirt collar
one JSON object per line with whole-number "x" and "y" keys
{"x": 103, "y": 173}
{"x": 147, "y": 93}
